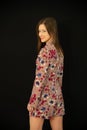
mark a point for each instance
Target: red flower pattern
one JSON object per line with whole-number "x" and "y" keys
{"x": 46, "y": 96}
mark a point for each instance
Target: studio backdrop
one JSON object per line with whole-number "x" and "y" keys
{"x": 18, "y": 53}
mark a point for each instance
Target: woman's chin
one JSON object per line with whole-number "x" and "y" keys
{"x": 42, "y": 40}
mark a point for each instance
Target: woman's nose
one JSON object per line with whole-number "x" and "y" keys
{"x": 40, "y": 34}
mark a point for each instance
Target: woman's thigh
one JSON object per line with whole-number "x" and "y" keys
{"x": 56, "y": 123}
{"x": 36, "y": 123}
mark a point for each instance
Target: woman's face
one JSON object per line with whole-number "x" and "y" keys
{"x": 43, "y": 33}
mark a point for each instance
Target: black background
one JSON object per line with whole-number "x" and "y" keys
{"x": 17, "y": 60}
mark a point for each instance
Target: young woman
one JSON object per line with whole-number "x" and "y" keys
{"x": 46, "y": 100}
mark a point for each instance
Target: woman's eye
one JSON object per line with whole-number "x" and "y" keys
{"x": 44, "y": 31}
{"x": 41, "y": 31}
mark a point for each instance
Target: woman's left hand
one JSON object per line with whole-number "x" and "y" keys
{"x": 30, "y": 108}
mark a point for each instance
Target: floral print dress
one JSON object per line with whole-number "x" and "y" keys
{"x": 46, "y": 96}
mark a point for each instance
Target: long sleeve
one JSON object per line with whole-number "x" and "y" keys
{"x": 42, "y": 64}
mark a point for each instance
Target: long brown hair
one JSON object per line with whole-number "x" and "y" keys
{"x": 52, "y": 28}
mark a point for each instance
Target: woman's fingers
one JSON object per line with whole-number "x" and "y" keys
{"x": 29, "y": 108}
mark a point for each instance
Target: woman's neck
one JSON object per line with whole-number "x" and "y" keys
{"x": 49, "y": 41}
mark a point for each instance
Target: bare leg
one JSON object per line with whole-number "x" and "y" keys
{"x": 56, "y": 123}
{"x": 36, "y": 123}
